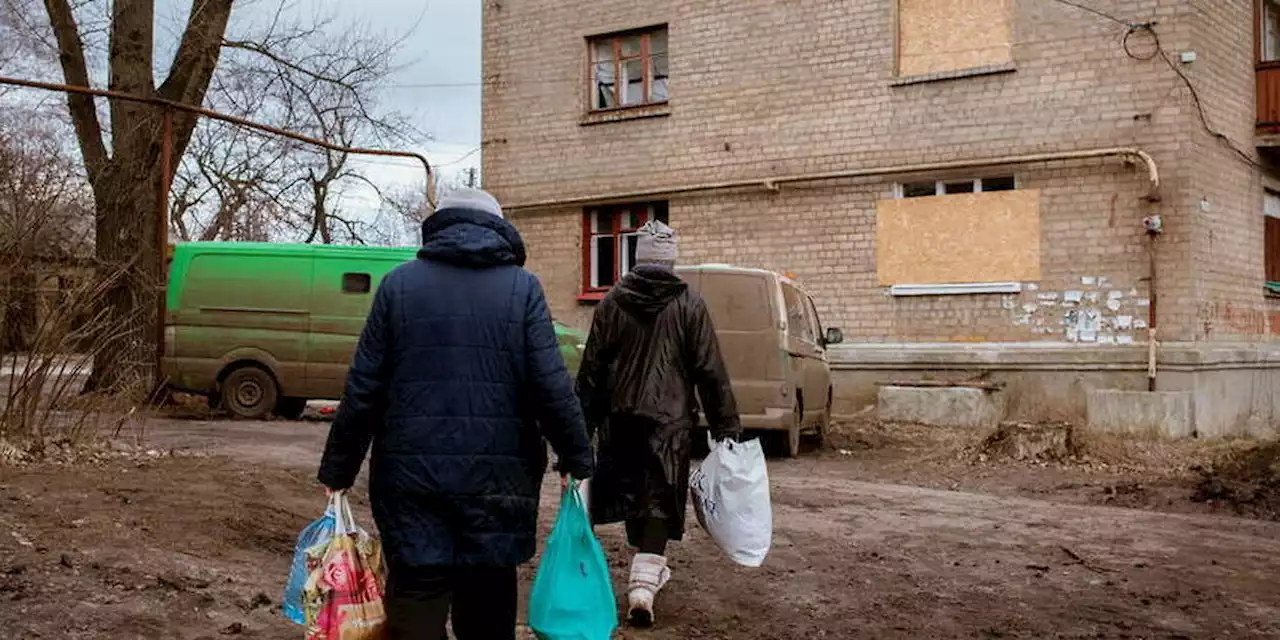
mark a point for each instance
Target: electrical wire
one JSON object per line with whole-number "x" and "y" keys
{"x": 1132, "y": 28}
{"x": 461, "y": 159}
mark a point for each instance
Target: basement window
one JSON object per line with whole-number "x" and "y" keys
{"x": 610, "y": 235}
{"x": 952, "y": 187}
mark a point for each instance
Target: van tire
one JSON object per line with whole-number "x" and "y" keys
{"x": 249, "y": 393}
{"x": 291, "y": 408}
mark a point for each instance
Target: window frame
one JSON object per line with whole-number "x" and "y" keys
{"x": 655, "y": 210}
{"x": 815, "y": 320}
{"x": 1270, "y": 248}
{"x": 940, "y": 186}
{"x": 802, "y": 301}
{"x": 646, "y": 55}
{"x": 1260, "y": 48}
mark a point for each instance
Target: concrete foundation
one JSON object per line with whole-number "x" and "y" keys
{"x": 940, "y": 406}
{"x": 1235, "y": 388}
{"x": 1140, "y": 413}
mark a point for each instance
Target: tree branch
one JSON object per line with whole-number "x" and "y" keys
{"x": 84, "y": 115}
{"x": 194, "y": 63}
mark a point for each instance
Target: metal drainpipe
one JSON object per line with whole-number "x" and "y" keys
{"x": 1151, "y": 318}
{"x": 1153, "y": 232}
{"x": 774, "y": 183}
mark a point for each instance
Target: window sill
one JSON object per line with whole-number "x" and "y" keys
{"x": 942, "y": 76}
{"x": 591, "y": 297}
{"x": 622, "y": 114}
{"x": 959, "y": 289}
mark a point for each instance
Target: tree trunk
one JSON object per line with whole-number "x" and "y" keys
{"x": 124, "y": 342}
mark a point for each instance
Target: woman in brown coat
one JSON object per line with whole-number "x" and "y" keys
{"x": 651, "y": 354}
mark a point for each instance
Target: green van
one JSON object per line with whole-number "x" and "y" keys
{"x": 262, "y": 328}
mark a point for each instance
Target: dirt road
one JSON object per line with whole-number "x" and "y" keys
{"x": 197, "y": 547}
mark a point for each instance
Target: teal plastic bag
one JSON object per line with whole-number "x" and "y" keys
{"x": 572, "y": 596}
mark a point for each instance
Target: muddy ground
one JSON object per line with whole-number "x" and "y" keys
{"x": 892, "y": 533}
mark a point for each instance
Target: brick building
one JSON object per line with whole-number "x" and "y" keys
{"x": 962, "y": 184}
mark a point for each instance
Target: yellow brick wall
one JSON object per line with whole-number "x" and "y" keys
{"x": 761, "y": 88}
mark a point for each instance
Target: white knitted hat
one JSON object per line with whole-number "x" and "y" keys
{"x": 657, "y": 244}
{"x": 473, "y": 199}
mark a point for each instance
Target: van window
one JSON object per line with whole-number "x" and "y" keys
{"x": 356, "y": 283}
{"x": 799, "y": 324}
{"x": 737, "y": 302}
{"x": 237, "y": 282}
{"x": 814, "y": 320}
{"x": 342, "y": 285}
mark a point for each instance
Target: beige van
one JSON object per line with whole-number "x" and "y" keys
{"x": 775, "y": 349}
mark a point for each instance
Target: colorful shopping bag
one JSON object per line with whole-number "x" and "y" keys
{"x": 342, "y": 597}
{"x": 319, "y": 532}
{"x": 572, "y": 596}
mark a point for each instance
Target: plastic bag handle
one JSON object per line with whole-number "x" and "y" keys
{"x": 344, "y": 521}
{"x": 711, "y": 442}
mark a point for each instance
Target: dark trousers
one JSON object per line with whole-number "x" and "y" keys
{"x": 482, "y": 599}
{"x": 648, "y": 535}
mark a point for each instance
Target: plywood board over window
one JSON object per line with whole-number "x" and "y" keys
{"x": 962, "y": 238}
{"x": 937, "y": 36}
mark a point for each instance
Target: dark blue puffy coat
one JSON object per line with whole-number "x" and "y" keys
{"x": 456, "y": 382}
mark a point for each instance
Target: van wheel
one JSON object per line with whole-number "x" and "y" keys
{"x": 291, "y": 408}
{"x": 249, "y": 393}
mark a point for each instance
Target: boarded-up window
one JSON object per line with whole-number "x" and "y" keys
{"x": 1272, "y": 233}
{"x": 936, "y": 36}
{"x": 962, "y": 238}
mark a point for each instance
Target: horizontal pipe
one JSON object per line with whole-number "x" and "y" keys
{"x": 774, "y": 183}
{"x": 265, "y": 128}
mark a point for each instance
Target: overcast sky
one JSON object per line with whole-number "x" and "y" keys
{"x": 444, "y": 49}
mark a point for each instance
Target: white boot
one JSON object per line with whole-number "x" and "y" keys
{"x": 649, "y": 573}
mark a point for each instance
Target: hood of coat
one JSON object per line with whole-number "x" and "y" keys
{"x": 648, "y": 289}
{"x": 471, "y": 238}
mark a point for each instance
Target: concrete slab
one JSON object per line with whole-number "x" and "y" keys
{"x": 940, "y": 406}
{"x": 1149, "y": 414}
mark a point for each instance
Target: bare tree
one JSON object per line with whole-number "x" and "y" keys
{"x": 44, "y": 220}
{"x": 240, "y": 185}
{"x": 306, "y": 79}
{"x": 123, "y": 166}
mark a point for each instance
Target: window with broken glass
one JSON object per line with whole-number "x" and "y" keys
{"x": 629, "y": 69}
{"x": 610, "y": 235}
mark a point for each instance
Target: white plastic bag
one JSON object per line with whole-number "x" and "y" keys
{"x": 731, "y": 500}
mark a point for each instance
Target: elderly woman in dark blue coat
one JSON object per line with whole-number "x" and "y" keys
{"x": 455, "y": 384}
